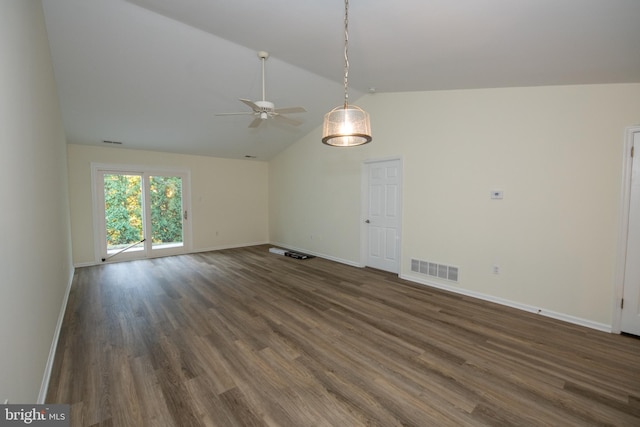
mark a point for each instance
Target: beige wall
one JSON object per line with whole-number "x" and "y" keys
{"x": 556, "y": 152}
{"x": 228, "y": 197}
{"x": 35, "y": 253}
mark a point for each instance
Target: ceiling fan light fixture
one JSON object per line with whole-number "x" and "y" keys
{"x": 346, "y": 125}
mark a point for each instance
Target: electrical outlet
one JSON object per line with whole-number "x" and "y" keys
{"x": 496, "y": 269}
{"x": 497, "y": 194}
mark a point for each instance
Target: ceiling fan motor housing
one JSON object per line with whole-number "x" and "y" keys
{"x": 265, "y": 109}
{"x": 265, "y": 106}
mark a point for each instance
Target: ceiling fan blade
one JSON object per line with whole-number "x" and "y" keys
{"x": 256, "y": 122}
{"x": 288, "y": 120}
{"x": 251, "y": 104}
{"x": 289, "y": 110}
{"x": 235, "y": 114}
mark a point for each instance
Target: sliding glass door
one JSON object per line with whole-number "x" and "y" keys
{"x": 140, "y": 214}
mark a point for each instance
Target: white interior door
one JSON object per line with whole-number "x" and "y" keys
{"x": 383, "y": 215}
{"x": 630, "y": 321}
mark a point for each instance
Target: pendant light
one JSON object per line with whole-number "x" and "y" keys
{"x": 346, "y": 125}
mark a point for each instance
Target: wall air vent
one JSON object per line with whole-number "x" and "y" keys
{"x": 441, "y": 271}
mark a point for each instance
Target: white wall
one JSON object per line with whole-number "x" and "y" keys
{"x": 35, "y": 253}
{"x": 228, "y": 197}
{"x": 555, "y": 151}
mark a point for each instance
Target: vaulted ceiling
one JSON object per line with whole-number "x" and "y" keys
{"x": 152, "y": 74}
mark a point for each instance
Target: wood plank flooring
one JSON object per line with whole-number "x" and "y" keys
{"x": 243, "y": 337}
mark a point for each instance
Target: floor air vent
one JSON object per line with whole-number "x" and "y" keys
{"x": 434, "y": 269}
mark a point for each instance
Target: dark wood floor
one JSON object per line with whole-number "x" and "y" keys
{"x": 243, "y": 337}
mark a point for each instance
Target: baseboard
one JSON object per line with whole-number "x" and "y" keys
{"x": 525, "y": 307}
{"x": 44, "y": 387}
{"x": 220, "y": 248}
{"x": 85, "y": 264}
{"x": 193, "y": 251}
{"x": 318, "y": 254}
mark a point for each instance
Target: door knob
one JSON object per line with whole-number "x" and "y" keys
{"x": 367, "y": 221}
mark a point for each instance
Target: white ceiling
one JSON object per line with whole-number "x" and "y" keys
{"x": 152, "y": 73}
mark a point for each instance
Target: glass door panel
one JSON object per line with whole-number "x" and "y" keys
{"x": 123, "y": 214}
{"x": 165, "y": 194}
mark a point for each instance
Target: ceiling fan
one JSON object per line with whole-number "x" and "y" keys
{"x": 264, "y": 109}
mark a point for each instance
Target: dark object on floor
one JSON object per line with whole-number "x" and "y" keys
{"x": 298, "y": 255}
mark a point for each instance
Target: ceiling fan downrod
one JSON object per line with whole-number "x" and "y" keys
{"x": 263, "y": 56}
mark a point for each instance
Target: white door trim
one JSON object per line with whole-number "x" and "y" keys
{"x": 623, "y": 227}
{"x": 364, "y": 199}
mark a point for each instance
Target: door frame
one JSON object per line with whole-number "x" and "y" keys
{"x": 98, "y": 221}
{"x": 623, "y": 228}
{"x": 364, "y": 191}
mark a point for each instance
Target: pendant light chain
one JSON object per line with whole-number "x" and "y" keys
{"x": 346, "y": 53}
